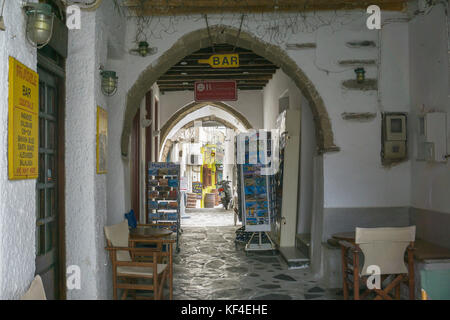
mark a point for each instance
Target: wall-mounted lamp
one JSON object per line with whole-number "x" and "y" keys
{"x": 109, "y": 82}
{"x": 144, "y": 49}
{"x": 39, "y": 23}
{"x": 2, "y": 22}
{"x": 360, "y": 75}
{"x": 146, "y": 123}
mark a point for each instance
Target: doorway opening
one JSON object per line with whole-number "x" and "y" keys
{"x": 50, "y": 186}
{"x": 203, "y": 143}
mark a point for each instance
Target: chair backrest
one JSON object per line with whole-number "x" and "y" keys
{"x": 385, "y": 248}
{"x": 118, "y": 236}
{"x": 36, "y": 290}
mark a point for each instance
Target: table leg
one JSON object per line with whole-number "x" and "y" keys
{"x": 344, "y": 272}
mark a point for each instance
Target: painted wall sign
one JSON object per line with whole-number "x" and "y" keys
{"x": 222, "y": 60}
{"x": 23, "y": 118}
{"x": 215, "y": 91}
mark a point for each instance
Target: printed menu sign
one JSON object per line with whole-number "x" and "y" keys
{"x": 23, "y": 119}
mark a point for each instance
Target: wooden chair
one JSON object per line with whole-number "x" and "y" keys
{"x": 384, "y": 248}
{"x": 36, "y": 290}
{"x": 131, "y": 264}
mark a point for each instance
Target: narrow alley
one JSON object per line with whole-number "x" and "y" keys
{"x": 253, "y": 150}
{"x": 212, "y": 265}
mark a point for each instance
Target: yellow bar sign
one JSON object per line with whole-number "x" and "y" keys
{"x": 230, "y": 60}
{"x": 23, "y": 117}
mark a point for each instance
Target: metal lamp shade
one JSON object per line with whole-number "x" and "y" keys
{"x": 143, "y": 48}
{"x": 109, "y": 82}
{"x": 360, "y": 75}
{"x": 39, "y": 24}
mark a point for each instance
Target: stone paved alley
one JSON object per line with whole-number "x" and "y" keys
{"x": 211, "y": 266}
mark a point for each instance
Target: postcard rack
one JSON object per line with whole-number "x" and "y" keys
{"x": 164, "y": 196}
{"x": 256, "y": 191}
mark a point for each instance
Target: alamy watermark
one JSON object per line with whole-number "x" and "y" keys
{"x": 73, "y": 14}
{"x": 73, "y": 279}
{"x": 374, "y": 280}
{"x": 261, "y": 149}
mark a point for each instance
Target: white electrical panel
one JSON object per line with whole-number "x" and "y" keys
{"x": 194, "y": 159}
{"x": 394, "y": 137}
{"x": 432, "y": 137}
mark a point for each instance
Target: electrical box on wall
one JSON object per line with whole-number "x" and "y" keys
{"x": 194, "y": 159}
{"x": 432, "y": 141}
{"x": 394, "y": 136}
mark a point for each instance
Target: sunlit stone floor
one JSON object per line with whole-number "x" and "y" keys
{"x": 211, "y": 265}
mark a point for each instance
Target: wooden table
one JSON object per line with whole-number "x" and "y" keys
{"x": 423, "y": 250}
{"x": 149, "y": 233}
{"x": 345, "y": 236}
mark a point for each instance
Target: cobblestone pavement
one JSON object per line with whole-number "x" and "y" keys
{"x": 211, "y": 265}
{"x": 207, "y": 218}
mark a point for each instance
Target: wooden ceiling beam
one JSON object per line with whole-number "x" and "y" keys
{"x": 186, "y": 7}
{"x": 191, "y": 83}
{"x": 221, "y": 72}
{"x": 214, "y": 77}
{"x": 244, "y": 66}
{"x": 246, "y": 58}
{"x": 163, "y": 90}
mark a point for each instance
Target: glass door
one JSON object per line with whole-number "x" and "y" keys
{"x": 47, "y": 250}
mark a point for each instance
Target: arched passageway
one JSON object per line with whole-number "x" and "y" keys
{"x": 202, "y": 38}
{"x": 187, "y": 115}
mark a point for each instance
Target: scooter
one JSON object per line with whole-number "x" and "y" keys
{"x": 225, "y": 193}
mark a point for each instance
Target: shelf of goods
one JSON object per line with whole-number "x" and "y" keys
{"x": 163, "y": 196}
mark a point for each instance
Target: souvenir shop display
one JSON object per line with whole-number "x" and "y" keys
{"x": 163, "y": 196}
{"x": 256, "y": 192}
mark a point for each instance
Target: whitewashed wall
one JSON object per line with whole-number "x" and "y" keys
{"x": 429, "y": 92}
{"x": 86, "y": 192}
{"x": 17, "y": 198}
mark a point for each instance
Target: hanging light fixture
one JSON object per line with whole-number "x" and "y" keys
{"x": 144, "y": 49}
{"x": 109, "y": 82}
{"x": 39, "y": 23}
{"x": 360, "y": 75}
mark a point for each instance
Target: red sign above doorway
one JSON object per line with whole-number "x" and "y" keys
{"x": 215, "y": 91}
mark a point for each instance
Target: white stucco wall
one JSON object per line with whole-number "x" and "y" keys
{"x": 354, "y": 177}
{"x": 17, "y": 198}
{"x": 86, "y": 191}
{"x": 429, "y": 92}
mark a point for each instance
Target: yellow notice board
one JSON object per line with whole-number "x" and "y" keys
{"x": 23, "y": 118}
{"x": 102, "y": 141}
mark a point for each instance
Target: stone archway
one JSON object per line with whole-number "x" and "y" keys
{"x": 166, "y": 145}
{"x": 202, "y": 38}
{"x": 194, "y": 106}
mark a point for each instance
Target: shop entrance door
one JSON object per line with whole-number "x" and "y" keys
{"x": 284, "y": 227}
{"x": 47, "y": 206}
